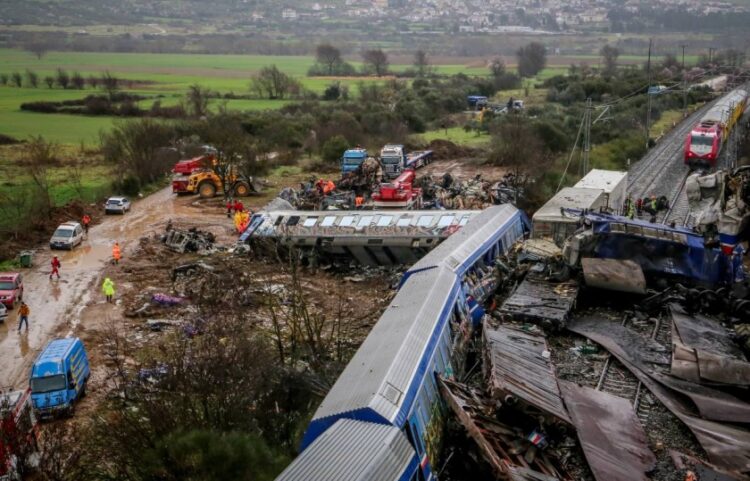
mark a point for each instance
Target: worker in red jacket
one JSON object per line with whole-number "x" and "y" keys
{"x": 238, "y": 207}
{"x": 55, "y": 267}
{"x": 230, "y": 207}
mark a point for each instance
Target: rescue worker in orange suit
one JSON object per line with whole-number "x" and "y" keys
{"x": 86, "y": 221}
{"x": 328, "y": 187}
{"x": 359, "y": 201}
{"x": 116, "y": 254}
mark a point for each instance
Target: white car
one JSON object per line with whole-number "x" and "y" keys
{"x": 67, "y": 236}
{"x": 117, "y": 205}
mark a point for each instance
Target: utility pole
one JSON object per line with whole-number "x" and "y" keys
{"x": 648, "y": 93}
{"x": 684, "y": 84}
{"x": 711, "y": 51}
{"x": 587, "y": 137}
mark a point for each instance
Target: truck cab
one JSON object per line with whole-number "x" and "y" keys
{"x": 58, "y": 377}
{"x": 392, "y": 158}
{"x": 352, "y": 159}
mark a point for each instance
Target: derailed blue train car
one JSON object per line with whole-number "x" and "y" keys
{"x": 391, "y": 380}
{"x": 663, "y": 251}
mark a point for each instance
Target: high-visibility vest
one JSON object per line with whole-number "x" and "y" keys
{"x": 116, "y": 252}
{"x": 358, "y": 201}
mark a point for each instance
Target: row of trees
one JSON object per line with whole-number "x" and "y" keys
{"x": 61, "y": 79}
{"x": 329, "y": 61}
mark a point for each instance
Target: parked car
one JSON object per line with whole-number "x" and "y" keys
{"x": 117, "y": 205}
{"x": 67, "y": 236}
{"x": 11, "y": 288}
{"x": 3, "y": 312}
{"x": 58, "y": 377}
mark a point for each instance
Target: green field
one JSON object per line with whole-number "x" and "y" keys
{"x": 165, "y": 75}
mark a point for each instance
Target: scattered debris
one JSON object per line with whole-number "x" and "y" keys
{"x": 167, "y": 300}
{"x": 540, "y": 301}
{"x": 727, "y": 445}
{"x": 191, "y": 240}
{"x": 511, "y": 451}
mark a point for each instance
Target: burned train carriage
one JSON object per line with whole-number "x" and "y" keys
{"x": 387, "y": 397}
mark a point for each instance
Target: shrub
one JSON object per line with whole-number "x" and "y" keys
{"x": 334, "y": 148}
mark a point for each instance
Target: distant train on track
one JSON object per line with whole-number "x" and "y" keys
{"x": 383, "y": 418}
{"x": 705, "y": 142}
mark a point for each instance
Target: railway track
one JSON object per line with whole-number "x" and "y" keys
{"x": 616, "y": 379}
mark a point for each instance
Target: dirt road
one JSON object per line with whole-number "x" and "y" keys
{"x": 56, "y": 305}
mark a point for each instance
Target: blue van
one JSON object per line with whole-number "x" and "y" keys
{"x": 58, "y": 377}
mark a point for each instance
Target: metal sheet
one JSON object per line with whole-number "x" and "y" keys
{"x": 727, "y": 446}
{"x": 614, "y": 274}
{"x": 717, "y": 358}
{"x": 611, "y": 435}
{"x": 517, "y": 369}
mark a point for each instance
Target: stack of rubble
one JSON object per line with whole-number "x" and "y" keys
{"x": 191, "y": 240}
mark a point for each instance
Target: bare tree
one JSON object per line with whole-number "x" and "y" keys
{"x": 517, "y": 147}
{"x": 376, "y": 61}
{"x": 328, "y": 55}
{"x": 63, "y": 79}
{"x": 16, "y": 78}
{"x": 197, "y": 100}
{"x": 39, "y": 155}
{"x": 134, "y": 146}
{"x": 93, "y": 81}
{"x": 32, "y": 79}
{"x": 38, "y": 47}
{"x": 110, "y": 84}
{"x": 61, "y": 453}
{"x": 272, "y": 83}
{"x": 14, "y": 204}
{"x": 77, "y": 81}
{"x": 609, "y": 56}
{"x": 422, "y": 63}
{"x": 50, "y": 81}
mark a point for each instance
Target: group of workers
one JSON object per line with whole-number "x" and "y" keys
{"x": 650, "y": 205}
{"x": 241, "y": 216}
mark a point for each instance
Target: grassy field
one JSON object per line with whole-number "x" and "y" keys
{"x": 165, "y": 75}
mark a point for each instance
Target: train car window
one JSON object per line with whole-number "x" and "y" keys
{"x": 464, "y": 220}
{"x": 404, "y": 222}
{"x": 346, "y": 221}
{"x": 293, "y": 220}
{"x": 445, "y": 220}
{"x": 365, "y": 221}
{"x": 310, "y": 221}
{"x": 385, "y": 220}
{"x": 424, "y": 220}
{"x": 279, "y": 220}
{"x": 328, "y": 221}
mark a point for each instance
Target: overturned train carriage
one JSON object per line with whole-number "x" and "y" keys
{"x": 370, "y": 237}
{"x": 391, "y": 380}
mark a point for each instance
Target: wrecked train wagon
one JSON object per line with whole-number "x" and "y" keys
{"x": 552, "y": 221}
{"x": 425, "y": 331}
{"x": 391, "y": 378}
{"x": 661, "y": 251}
{"x": 370, "y": 237}
{"x": 471, "y": 253}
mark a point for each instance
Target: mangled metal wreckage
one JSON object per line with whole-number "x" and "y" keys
{"x": 370, "y": 237}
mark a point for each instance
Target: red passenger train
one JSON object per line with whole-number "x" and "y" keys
{"x": 704, "y": 143}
